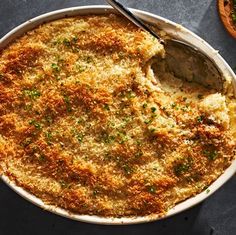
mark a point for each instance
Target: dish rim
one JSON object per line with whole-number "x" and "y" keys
{"x": 174, "y": 30}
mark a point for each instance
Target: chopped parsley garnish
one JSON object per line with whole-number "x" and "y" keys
{"x": 184, "y": 98}
{"x": 88, "y": 59}
{"x": 173, "y": 105}
{"x": 67, "y": 102}
{"x": 145, "y": 105}
{"x": 33, "y": 94}
{"x": 106, "y": 138}
{"x": 123, "y": 137}
{"x": 42, "y": 158}
{"x": 147, "y": 121}
{"x": 127, "y": 169}
{"x": 79, "y": 137}
{"x": 55, "y": 67}
{"x": 36, "y": 124}
{"x": 75, "y": 39}
{"x": 211, "y": 154}
{"x": 28, "y": 107}
{"x": 49, "y": 137}
{"x": 130, "y": 94}
{"x": 138, "y": 154}
{"x": 63, "y": 184}
{"x": 95, "y": 192}
{"x": 79, "y": 120}
{"x": 151, "y": 189}
{"x": 66, "y": 42}
{"x": 182, "y": 168}
{"x": 152, "y": 130}
{"x": 153, "y": 109}
{"x": 80, "y": 68}
{"x": 200, "y": 118}
{"x": 106, "y": 107}
{"x": 208, "y": 190}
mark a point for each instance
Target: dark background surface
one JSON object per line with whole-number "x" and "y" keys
{"x": 216, "y": 215}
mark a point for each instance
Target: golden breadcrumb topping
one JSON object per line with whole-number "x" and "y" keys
{"x": 86, "y": 123}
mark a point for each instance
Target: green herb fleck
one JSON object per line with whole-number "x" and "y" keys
{"x": 55, "y": 67}
{"x": 210, "y": 154}
{"x": 28, "y": 107}
{"x": 123, "y": 137}
{"x": 95, "y": 192}
{"x": 36, "y": 124}
{"x": 79, "y": 120}
{"x": 152, "y": 130}
{"x": 49, "y": 137}
{"x": 88, "y": 59}
{"x": 173, "y": 105}
{"x": 106, "y": 107}
{"x": 127, "y": 169}
{"x": 138, "y": 154}
{"x": 63, "y": 184}
{"x": 130, "y": 94}
{"x": 42, "y": 158}
{"x": 79, "y": 137}
{"x": 67, "y": 102}
{"x": 32, "y": 93}
{"x": 75, "y": 39}
{"x": 80, "y": 68}
{"x": 200, "y": 118}
{"x": 66, "y": 42}
{"x": 153, "y": 109}
{"x": 147, "y": 121}
{"x": 181, "y": 168}
{"x": 145, "y": 105}
{"x": 106, "y": 138}
{"x": 208, "y": 190}
{"x": 151, "y": 189}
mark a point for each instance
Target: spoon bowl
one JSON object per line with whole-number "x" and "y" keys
{"x": 183, "y": 59}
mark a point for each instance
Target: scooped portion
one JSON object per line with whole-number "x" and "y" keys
{"x": 91, "y": 121}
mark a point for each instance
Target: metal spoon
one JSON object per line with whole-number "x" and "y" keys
{"x": 183, "y": 59}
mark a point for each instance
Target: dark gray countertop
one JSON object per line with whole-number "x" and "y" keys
{"x": 216, "y": 215}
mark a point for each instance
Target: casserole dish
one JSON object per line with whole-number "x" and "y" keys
{"x": 175, "y": 31}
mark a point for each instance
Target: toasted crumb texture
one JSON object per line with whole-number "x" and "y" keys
{"x": 86, "y": 124}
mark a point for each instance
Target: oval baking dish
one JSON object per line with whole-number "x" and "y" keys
{"x": 175, "y": 31}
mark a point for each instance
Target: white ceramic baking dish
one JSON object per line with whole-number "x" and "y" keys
{"x": 171, "y": 28}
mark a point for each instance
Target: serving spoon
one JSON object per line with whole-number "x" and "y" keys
{"x": 182, "y": 59}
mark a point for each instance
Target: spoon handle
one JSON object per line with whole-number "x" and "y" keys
{"x": 125, "y": 11}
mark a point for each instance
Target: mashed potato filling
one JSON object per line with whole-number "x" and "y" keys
{"x": 91, "y": 121}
